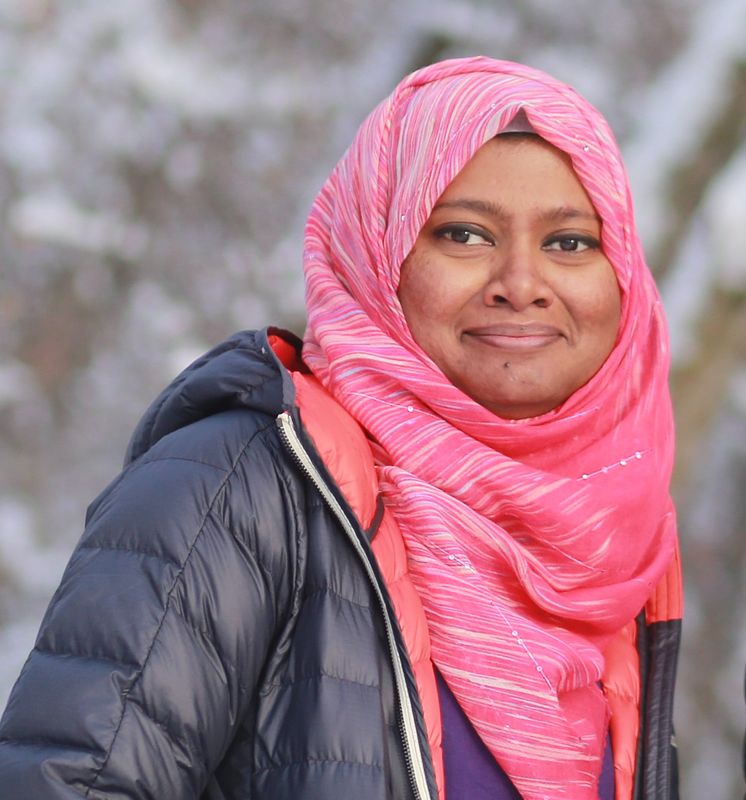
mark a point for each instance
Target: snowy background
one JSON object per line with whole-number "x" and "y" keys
{"x": 157, "y": 160}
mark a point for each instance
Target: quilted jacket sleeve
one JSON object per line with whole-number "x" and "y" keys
{"x": 152, "y": 647}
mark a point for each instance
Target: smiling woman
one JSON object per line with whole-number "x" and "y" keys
{"x": 507, "y": 289}
{"x": 427, "y": 553}
{"x": 479, "y": 302}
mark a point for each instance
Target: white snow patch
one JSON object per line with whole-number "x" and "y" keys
{"x": 679, "y": 106}
{"x": 725, "y": 211}
{"x": 160, "y": 316}
{"x": 186, "y": 79}
{"x": 686, "y": 290}
{"x": 16, "y": 641}
{"x": 712, "y": 254}
{"x": 34, "y": 569}
{"x": 17, "y": 383}
{"x": 31, "y": 142}
{"x": 51, "y": 217}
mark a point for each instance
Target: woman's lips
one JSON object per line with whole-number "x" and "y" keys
{"x": 516, "y": 337}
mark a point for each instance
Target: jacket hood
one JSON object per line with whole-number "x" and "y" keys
{"x": 241, "y": 372}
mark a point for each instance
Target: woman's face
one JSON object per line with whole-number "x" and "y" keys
{"x": 506, "y": 288}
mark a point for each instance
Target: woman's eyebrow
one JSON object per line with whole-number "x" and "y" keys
{"x": 498, "y": 211}
{"x": 483, "y": 206}
{"x": 569, "y": 212}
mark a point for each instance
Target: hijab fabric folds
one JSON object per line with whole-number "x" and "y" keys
{"x": 531, "y": 542}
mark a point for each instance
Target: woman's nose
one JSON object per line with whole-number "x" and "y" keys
{"x": 516, "y": 280}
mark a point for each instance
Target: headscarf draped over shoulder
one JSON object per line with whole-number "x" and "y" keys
{"x": 531, "y": 542}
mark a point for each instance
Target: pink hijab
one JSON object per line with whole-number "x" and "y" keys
{"x": 531, "y": 542}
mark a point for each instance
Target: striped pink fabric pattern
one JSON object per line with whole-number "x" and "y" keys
{"x": 531, "y": 542}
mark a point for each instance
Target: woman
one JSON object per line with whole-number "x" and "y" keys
{"x": 433, "y": 557}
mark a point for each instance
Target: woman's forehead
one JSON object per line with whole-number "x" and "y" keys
{"x": 508, "y": 163}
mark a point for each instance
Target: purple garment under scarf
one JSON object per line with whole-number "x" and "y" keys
{"x": 471, "y": 771}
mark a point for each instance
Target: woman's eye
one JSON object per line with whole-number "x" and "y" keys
{"x": 572, "y": 244}
{"x": 464, "y": 235}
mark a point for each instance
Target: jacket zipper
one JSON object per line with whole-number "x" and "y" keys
{"x": 410, "y": 740}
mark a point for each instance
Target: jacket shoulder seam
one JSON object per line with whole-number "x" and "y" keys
{"x": 134, "y": 550}
{"x": 37, "y": 741}
{"x": 85, "y": 656}
{"x": 328, "y": 590}
{"x": 156, "y": 459}
{"x": 305, "y": 761}
{"x": 319, "y": 674}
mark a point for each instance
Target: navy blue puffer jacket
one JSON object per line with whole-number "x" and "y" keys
{"x": 220, "y": 631}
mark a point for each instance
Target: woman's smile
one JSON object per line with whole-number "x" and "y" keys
{"x": 507, "y": 289}
{"x": 515, "y": 336}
